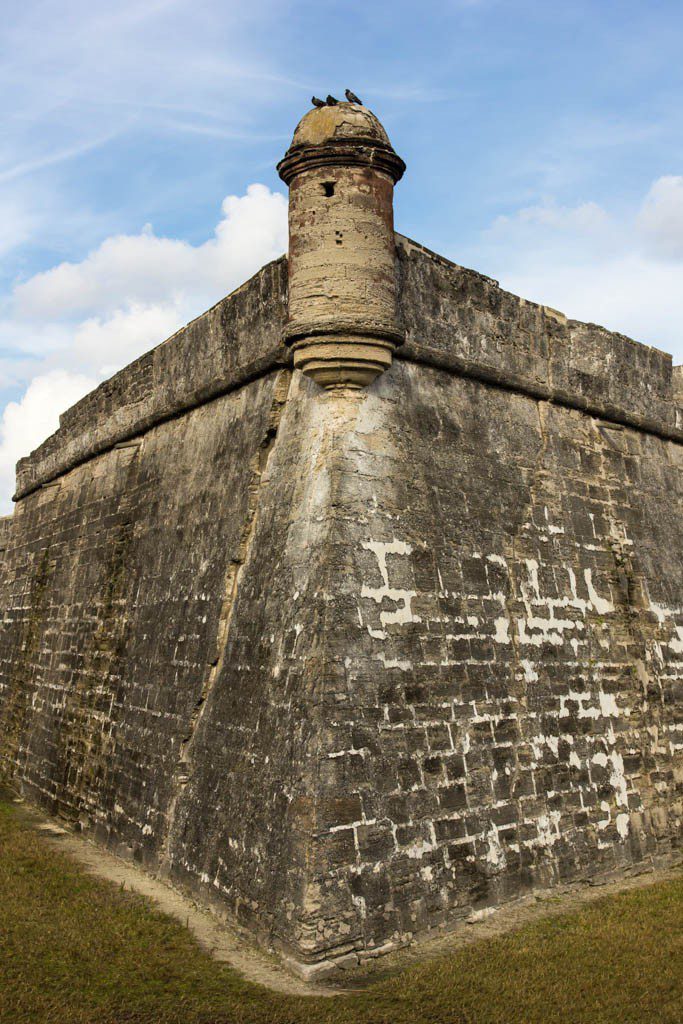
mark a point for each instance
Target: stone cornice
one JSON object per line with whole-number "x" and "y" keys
{"x": 295, "y": 331}
{"x": 349, "y": 152}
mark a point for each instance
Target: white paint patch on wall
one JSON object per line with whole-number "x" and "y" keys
{"x": 530, "y": 674}
{"x": 502, "y": 630}
{"x": 618, "y": 779}
{"x": 608, "y": 705}
{"x": 602, "y": 605}
{"x": 403, "y": 613}
{"x": 495, "y": 855}
{"x": 623, "y": 823}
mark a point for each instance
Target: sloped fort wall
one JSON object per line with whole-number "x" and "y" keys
{"x": 352, "y": 665}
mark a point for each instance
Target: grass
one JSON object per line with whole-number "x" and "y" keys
{"x": 75, "y": 950}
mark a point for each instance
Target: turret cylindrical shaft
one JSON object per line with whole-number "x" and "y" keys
{"x": 341, "y": 172}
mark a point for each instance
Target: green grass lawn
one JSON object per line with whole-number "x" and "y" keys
{"x": 76, "y": 950}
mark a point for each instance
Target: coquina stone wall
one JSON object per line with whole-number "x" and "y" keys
{"x": 356, "y": 665}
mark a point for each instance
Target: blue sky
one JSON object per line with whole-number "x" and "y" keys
{"x": 544, "y": 145}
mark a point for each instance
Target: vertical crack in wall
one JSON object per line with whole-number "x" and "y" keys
{"x": 258, "y": 464}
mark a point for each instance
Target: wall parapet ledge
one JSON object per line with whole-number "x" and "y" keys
{"x": 6, "y": 523}
{"x": 455, "y": 320}
{"x": 677, "y": 382}
{"x": 236, "y": 341}
{"x": 464, "y": 323}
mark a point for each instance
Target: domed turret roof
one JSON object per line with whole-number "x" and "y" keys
{"x": 344, "y": 133}
{"x": 345, "y": 121}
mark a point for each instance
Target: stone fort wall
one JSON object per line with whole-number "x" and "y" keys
{"x": 355, "y": 665}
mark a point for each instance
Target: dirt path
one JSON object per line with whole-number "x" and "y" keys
{"x": 220, "y": 941}
{"x": 223, "y": 943}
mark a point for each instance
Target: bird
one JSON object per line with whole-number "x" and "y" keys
{"x": 316, "y": 102}
{"x": 331, "y": 101}
{"x": 352, "y": 98}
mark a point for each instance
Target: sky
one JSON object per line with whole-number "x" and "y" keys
{"x": 544, "y": 145}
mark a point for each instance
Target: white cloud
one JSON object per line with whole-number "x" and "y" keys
{"x": 114, "y": 342}
{"x": 83, "y": 321}
{"x": 638, "y": 297}
{"x": 33, "y": 418}
{"x": 124, "y": 269}
{"x": 660, "y": 220}
{"x": 586, "y": 217}
{"x": 623, "y": 271}
{"x": 144, "y": 269}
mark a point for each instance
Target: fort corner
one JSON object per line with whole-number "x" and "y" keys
{"x": 353, "y": 666}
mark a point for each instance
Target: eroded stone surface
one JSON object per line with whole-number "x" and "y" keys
{"x": 353, "y": 666}
{"x": 502, "y": 697}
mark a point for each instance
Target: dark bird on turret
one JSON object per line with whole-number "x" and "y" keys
{"x": 352, "y": 98}
{"x": 316, "y": 102}
{"x": 331, "y": 101}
